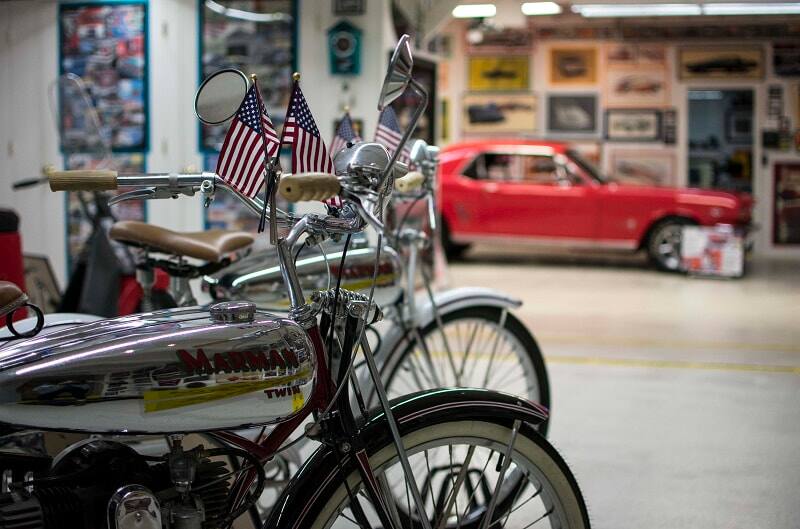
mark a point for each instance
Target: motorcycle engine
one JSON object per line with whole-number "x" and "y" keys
{"x": 104, "y": 484}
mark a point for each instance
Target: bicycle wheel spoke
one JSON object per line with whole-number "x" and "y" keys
{"x": 539, "y": 519}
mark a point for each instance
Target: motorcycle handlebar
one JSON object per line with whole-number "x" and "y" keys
{"x": 412, "y": 181}
{"x": 309, "y": 186}
{"x": 82, "y": 180}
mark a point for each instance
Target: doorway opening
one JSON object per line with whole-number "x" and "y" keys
{"x": 721, "y": 139}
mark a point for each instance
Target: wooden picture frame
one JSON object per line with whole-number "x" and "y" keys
{"x": 573, "y": 65}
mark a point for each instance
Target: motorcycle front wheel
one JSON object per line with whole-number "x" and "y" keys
{"x": 477, "y": 347}
{"x": 535, "y": 488}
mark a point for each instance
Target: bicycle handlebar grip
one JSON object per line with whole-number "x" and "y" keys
{"x": 411, "y": 181}
{"x": 309, "y": 186}
{"x": 82, "y": 180}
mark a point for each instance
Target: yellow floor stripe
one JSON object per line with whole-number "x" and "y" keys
{"x": 670, "y": 364}
{"x": 650, "y": 342}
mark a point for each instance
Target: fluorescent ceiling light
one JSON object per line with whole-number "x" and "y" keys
{"x": 474, "y": 11}
{"x": 637, "y": 10}
{"x": 752, "y": 8}
{"x": 540, "y": 8}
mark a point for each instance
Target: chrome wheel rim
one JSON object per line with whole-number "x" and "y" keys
{"x": 667, "y": 246}
{"x": 472, "y": 352}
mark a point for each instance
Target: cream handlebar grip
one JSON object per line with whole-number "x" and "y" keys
{"x": 309, "y": 186}
{"x": 82, "y": 180}
{"x": 411, "y": 181}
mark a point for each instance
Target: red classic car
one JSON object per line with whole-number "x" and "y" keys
{"x": 544, "y": 192}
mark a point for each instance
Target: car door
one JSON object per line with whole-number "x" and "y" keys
{"x": 531, "y": 194}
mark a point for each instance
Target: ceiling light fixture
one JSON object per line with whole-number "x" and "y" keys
{"x": 752, "y": 8}
{"x": 637, "y": 10}
{"x": 474, "y": 11}
{"x": 540, "y": 8}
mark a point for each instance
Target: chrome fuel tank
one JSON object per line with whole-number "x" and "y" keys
{"x": 257, "y": 277}
{"x": 176, "y": 370}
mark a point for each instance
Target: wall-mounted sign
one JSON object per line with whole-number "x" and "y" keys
{"x": 344, "y": 45}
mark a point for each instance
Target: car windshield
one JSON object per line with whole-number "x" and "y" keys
{"x": 587, "y": 167}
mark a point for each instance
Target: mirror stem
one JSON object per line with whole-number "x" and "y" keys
{"x": 423, "y": 94}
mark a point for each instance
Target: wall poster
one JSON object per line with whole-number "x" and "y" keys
{"x": 106, "y": 45}
{"x": 498, "y": 73}
{"x": 572, "y": 113}
{"x": 741, "y": 62}
{"x": 786, "y": 207}
{"x": 633, "y": 125}
{"x": 647, "y": 167}
{"x": 257, "y": 38}
{"x": 498, "y": 113}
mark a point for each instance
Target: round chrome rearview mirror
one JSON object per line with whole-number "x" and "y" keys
{"x": 220, "y": 96}
{"x": 398, "y": 75}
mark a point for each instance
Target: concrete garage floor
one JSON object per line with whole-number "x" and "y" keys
{"x": 676, "y": 401}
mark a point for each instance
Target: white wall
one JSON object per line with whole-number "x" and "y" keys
{"x": 28, "y": 57}
{"x": 28, "y": 64}
{"x": 763, "y": 180}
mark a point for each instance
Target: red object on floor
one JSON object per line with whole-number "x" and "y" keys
{"x": 130, "y": 292}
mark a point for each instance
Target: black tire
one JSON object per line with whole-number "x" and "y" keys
{"x": 664, "y": 243}
{"x": 540, "y": 390}
{"x": 556, "y": 484}
{"x": 452, "y": 250}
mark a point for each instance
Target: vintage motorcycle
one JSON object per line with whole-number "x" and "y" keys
{"x": 442, "y": 458}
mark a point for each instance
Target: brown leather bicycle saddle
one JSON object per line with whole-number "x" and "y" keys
{"x": 11, "y": 298}
{"x": 210, "y": 245}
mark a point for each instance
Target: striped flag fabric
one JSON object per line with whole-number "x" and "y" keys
{"x": 309, "y": 153}
{"x": 388, "y": 134}
{"x": 344, "y": 133}
{"x": 251, "y": 139}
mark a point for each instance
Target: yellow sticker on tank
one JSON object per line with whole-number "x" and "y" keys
{"x": 297, "y": 401}
{"x": 168, "y": 399}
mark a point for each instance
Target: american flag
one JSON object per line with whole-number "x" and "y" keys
{"x": 250, "y": 138}
{"x": 388, "y": 134}
{"x": 309, "y": 153}
{"x": 344, "y": 133}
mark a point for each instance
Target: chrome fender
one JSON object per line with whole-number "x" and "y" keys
{"x": 446, "y": 301}
{"x": 52, "y": 322}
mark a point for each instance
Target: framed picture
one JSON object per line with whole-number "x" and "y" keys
{"x": 647, "y": 167}
{"x": 626, "y": 55}
{"x": 786, "y": 59}
{"x": 106, "y": 45}
{"x": 633, "y": 125}
{"x": 569, "y": 66}
{"x": 786, "y": 207}
{"x": 498, "y": 113}
{"x": 743, "y": 62}
{"x": 265, "y": 48}
{"x": 572, "y": 113}
{"x": 739, "y": 126}
{"x": 636, "y": 87}
{"x": 498, "y": 73}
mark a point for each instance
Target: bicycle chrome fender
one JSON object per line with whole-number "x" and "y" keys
{"x": 52, "y": 322}
{"x": 293, "y": 508}
{"x": 448, "y": 301}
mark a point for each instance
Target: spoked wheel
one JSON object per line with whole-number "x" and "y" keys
{"x": 471, "y": 474}
{"x": 478, "y": 347}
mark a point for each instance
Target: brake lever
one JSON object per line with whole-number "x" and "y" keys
{"x": 150, "y": 193}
